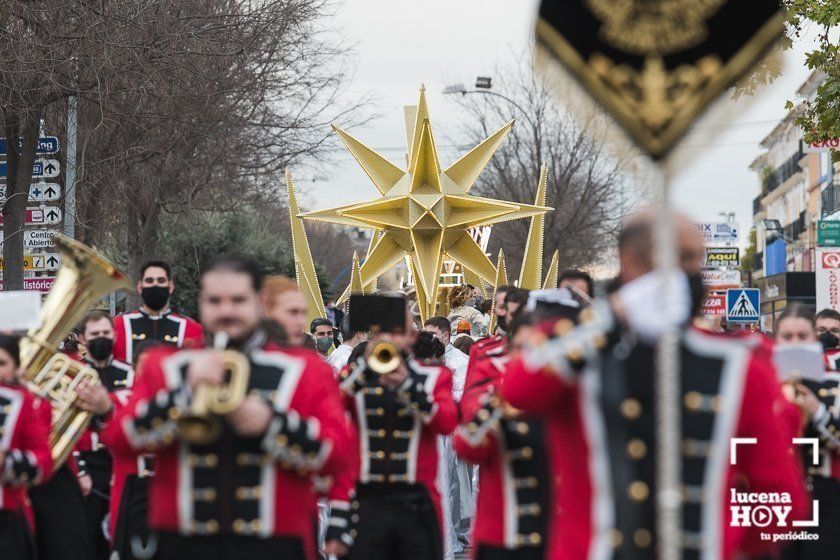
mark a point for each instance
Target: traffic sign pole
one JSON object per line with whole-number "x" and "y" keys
{"x": 70, "y": 175}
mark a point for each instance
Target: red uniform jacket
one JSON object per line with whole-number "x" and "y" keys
{"x": 168, "y": 327}
{"x": 514, "y": 483}
{"x": 257, "y": 487}
{"x": 24, "y": 443}
{"x": 603, "y": 425}
{"x": 415, "y": 414}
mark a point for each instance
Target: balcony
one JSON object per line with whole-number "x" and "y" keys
{"x": 757, "y": 205}
{"x": 782, "y": 173}
{"x": 830, "y": 202}
{"x": 794, "y": 229}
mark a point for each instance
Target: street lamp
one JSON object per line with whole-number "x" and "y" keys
{"x": 483, "y": 85}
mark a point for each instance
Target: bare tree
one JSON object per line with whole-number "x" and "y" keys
{"x": 185, "y": 105}
{"x": 587, "y": 186}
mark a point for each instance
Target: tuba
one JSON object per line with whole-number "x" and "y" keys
{"x": 82, "y": 279}
{"x": 201, "y": 424}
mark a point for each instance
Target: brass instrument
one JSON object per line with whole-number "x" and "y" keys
{"x": 82, "y": 279}
{"x": 201, "y": 425}
{"x": 384, "y": 358}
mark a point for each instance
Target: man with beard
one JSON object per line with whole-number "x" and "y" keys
{"x": 154, "y": 320}
{"x": 246, "y": 490}
{"x": 595, "y": 386}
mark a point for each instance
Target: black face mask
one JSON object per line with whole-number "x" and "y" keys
{"x": 698, "y": 292}
{"x": 100, "y": 348}
{"x": 155, "y": 297}
{"x": 828, "y": 340}
{"x": 502, "y": 324}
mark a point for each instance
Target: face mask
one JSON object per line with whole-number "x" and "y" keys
{"x": 478, "y": 301}
{"x": 100, "y": 348}
{"x": 323, "y": 344}
{"x": 155, "y": 297}
{"x": 501, "y": 324}
{"x": 828, "y": 340}
{"x": 698, "y": 293}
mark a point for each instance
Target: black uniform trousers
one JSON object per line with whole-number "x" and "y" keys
{"x": 132, "y": 539}
{"x": 498, "y": 553}
{"x": 396, "y": 522}
{"x": 61, "y": 518}
{"x": 827, "y": 492}
{"x": 98, "y": 464}
{"x": 173, "y": 546}
{"x": 16, "y": 537}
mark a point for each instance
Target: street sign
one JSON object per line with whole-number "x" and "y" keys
{"x": 40, "y": 262}
{"x": 48, "y": 215}
{"x": 828, "y": 278}
{"x": 718, "y": 232}
{"x": 828, "y": 233}
{"x": 742, "y": 305}
{"x": 36, "y": 238}
{"x": 46, "y": 145}
{"x": 38, "y": 192}
{"x": 714, "y": 304}
{"x": 718, "y": 257}
{"x": 722, "y": 279}
{"x": 47, "y": 168}
{"x": 36, "y": 284}
{"x": 821, "y": 146}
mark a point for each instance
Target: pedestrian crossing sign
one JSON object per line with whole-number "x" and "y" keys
{"x": 742, "y": 305}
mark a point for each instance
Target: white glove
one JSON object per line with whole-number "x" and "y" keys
{"x": 653, "y": 306}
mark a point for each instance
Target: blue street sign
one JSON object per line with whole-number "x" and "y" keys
{"x": 46, "y": 145}
{"x": 742, "y": 305}
{"x": 41, "y": 168}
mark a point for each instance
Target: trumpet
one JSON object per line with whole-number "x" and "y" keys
{"x": 202, "y": 425}
{"x": 384, "y": 358}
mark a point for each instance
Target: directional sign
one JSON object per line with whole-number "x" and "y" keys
{"x": 47, "y": 168}
{"x": 39, "y": 262}
{"x": 718, "y": 257}
{"x": 36, "y": 284}
{"x": 742, "y": 305}
{"x": 38, "y": 192}
{"x": 48, "y": 215}
{"x": 46, "y": 145}
{"x": 36, "y": 238}
{"x": 719, "y": 232}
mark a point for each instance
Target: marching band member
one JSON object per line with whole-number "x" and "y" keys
{"x": 595, "y": 387}
{"x": 396, "y": 510}
{"x": 245, "y": 491}
{"x": 116, "y": 379}
{"x": 24, "y": 454}
{"x": 154, "y": 320}
{"x": 818, "y": 404}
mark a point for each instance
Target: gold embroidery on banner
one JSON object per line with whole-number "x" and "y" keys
{"x": 644, "y": 27}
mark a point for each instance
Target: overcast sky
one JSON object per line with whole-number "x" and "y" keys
{"x": 398, "y": 45}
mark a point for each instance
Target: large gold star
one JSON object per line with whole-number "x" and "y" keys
{"x": 424, "y": 212}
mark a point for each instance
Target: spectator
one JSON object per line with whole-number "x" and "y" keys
{"x": 322, "y": 331}
{"x": 340, "y": 356}
{"x": 458, "y": 308}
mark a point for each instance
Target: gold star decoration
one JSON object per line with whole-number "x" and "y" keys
{"x": 553, "y": 273}
{"x": 370, "y": 287}
{"x": 424, "y": 212}
{"x": 530, "y": 275}
{"x": 307, "y": 280}
{"x": 500, "y": 280}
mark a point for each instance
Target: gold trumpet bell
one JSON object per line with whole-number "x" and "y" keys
{"x": 83, "y": 278}
{"x": 384, "y": 358}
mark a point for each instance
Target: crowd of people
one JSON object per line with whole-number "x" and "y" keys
{"x": 521, "y": 426}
